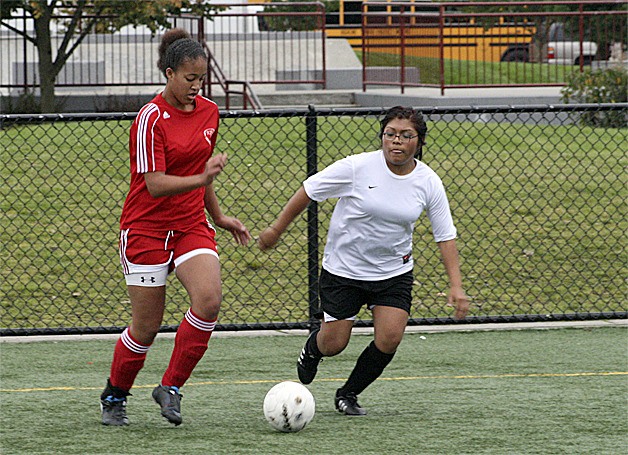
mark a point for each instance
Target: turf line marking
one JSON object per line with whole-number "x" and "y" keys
{"x": 401, "y": 378}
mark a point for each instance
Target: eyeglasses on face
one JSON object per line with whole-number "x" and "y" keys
{"x": 403, "y": 137}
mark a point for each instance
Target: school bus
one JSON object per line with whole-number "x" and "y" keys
{"x": 418, "y": 25}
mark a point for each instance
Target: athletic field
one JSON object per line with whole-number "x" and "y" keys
{"x": 558, "y": 391}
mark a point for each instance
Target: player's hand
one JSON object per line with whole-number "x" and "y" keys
{"x": 214, "y": 166}
{"x": 458, "y": 299}
{"x": 240, "y": 233}
{"x": 268, "y": 238}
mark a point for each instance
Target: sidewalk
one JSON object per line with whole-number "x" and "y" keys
{"x": 125, "y": 99}
{"x": 361, "y": 330}
{"x": 431, "y": 97}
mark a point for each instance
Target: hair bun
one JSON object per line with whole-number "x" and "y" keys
{"x": 167, "y": 39}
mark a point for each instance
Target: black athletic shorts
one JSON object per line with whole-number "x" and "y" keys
{"x": 342, "y": 298}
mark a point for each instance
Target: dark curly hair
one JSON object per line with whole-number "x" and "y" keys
{"x": 177, "y": 47}
{"x": 407, "y": 113}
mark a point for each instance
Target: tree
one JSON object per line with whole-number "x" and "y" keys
{"x": 81, "y": 19}
{"x": 294, "y": 23}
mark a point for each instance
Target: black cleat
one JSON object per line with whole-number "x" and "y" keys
{"x": 113, "y": 406}
{"x": 307, "y": 364}
{"x": 114, "y": 411}
{"x": 169, "y": 399}
{"x": 347, "y": 403}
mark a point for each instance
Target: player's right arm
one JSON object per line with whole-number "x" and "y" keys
{"x": 298, "y": 202}
{"x": 147, "y": 143}
{"x": 456, "y": 297}
{"x": 160, "y": 184}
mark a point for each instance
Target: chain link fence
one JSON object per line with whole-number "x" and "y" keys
{"x": 538, "y": 195}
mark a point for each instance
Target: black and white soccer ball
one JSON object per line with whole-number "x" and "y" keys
{"x": 289, "y": 407}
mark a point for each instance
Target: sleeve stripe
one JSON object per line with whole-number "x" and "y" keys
{"x": 145, "y": 138}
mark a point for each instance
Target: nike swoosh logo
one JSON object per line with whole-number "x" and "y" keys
{"x": 371, "y": 187}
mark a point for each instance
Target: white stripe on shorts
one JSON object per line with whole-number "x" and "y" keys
{"x": 330, "y": 318}
{"x": 122, "y": 251}
{"x": 190, "y": 254}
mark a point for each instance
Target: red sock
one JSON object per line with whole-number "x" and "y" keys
{"x": 128, "y": 360}
{"x": 190, "y": 345}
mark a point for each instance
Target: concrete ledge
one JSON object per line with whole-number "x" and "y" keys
{"x": 620, "y": 323}
{"x": 429, "y": 96}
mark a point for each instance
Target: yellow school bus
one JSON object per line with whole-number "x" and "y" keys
{"x": 383, "y": 26}
{"x": 422, "y": 29}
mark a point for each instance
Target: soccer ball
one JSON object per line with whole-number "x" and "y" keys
{"x": 289, "y": 406}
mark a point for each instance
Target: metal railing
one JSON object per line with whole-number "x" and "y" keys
{"x": 402, "y": 44}
{"x": 215, "y": 73}
{"x": 279, "y": 55}
{"x": 413, "y": 44}
{"x": 109, "y": 63}
{"x": 537, "y": 193}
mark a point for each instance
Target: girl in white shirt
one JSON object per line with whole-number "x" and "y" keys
{"x": 368, "y": 254}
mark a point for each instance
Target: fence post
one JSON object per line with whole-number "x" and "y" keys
{"x": 364, "y": 38}
{"x": 321, "y": 8}
{"x": 441, "y": 48}
{"x": 312, "y": 222}
{"x": 402, "y": 31}
{"x": 581, "y": 36}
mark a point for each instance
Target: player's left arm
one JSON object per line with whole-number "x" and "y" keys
{"x": 457, "y": 296}
{"x": 236, "y": 227}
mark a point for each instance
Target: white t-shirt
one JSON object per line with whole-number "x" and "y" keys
{"x": 370, "y": 232}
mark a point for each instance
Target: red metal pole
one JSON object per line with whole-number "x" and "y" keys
{"x": 323, "y": 35}
{"x": 402, "y": 78}
{"x": 581, "y": 37}
{"x": 363, "y": 18}
{"x": 441, "y": 48}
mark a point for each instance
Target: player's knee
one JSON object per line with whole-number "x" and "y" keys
{"x": 145, "y": 331}
{"x": 388, "y": 343}
{"x": 206, "y": 304}
{"x": 335, "y": 349}
{"x": 334, "y": 345}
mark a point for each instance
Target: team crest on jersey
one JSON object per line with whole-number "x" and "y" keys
{"x": 208, "y": 133}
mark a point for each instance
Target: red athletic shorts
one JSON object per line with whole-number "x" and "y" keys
{"x": 147, "y": 257}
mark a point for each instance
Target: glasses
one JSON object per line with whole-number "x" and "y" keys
{"x": 403, "y": 137}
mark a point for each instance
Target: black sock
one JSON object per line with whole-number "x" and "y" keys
{"x": 311, "y": 346}
{"x": 116, "y": 392}
{"x": 368, "y": 368}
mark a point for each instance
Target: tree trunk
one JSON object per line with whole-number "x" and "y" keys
{"x": 47, "y": 73}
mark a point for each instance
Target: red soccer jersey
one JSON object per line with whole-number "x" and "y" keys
{"x": 176, "y": 142}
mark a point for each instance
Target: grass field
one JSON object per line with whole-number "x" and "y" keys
{"x": 471, "y": 72}
{"x": 540, "y": 212}
{"x": 559, "y": 391}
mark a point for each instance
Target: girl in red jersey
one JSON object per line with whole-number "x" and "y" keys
{"x": 163, "y": 227}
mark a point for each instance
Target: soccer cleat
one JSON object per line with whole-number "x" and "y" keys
{"x": 347, "y": 403}
{"x": 113, "y": 406}
{"x": 307, "y": 365}
{"x": 169, "y": 399}
{"x": 114, "y": 411}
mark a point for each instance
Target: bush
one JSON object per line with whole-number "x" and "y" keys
{"x": 27, "y": 102}
{"x": 24, "y": 103}
{"x": 608, "y": 85}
